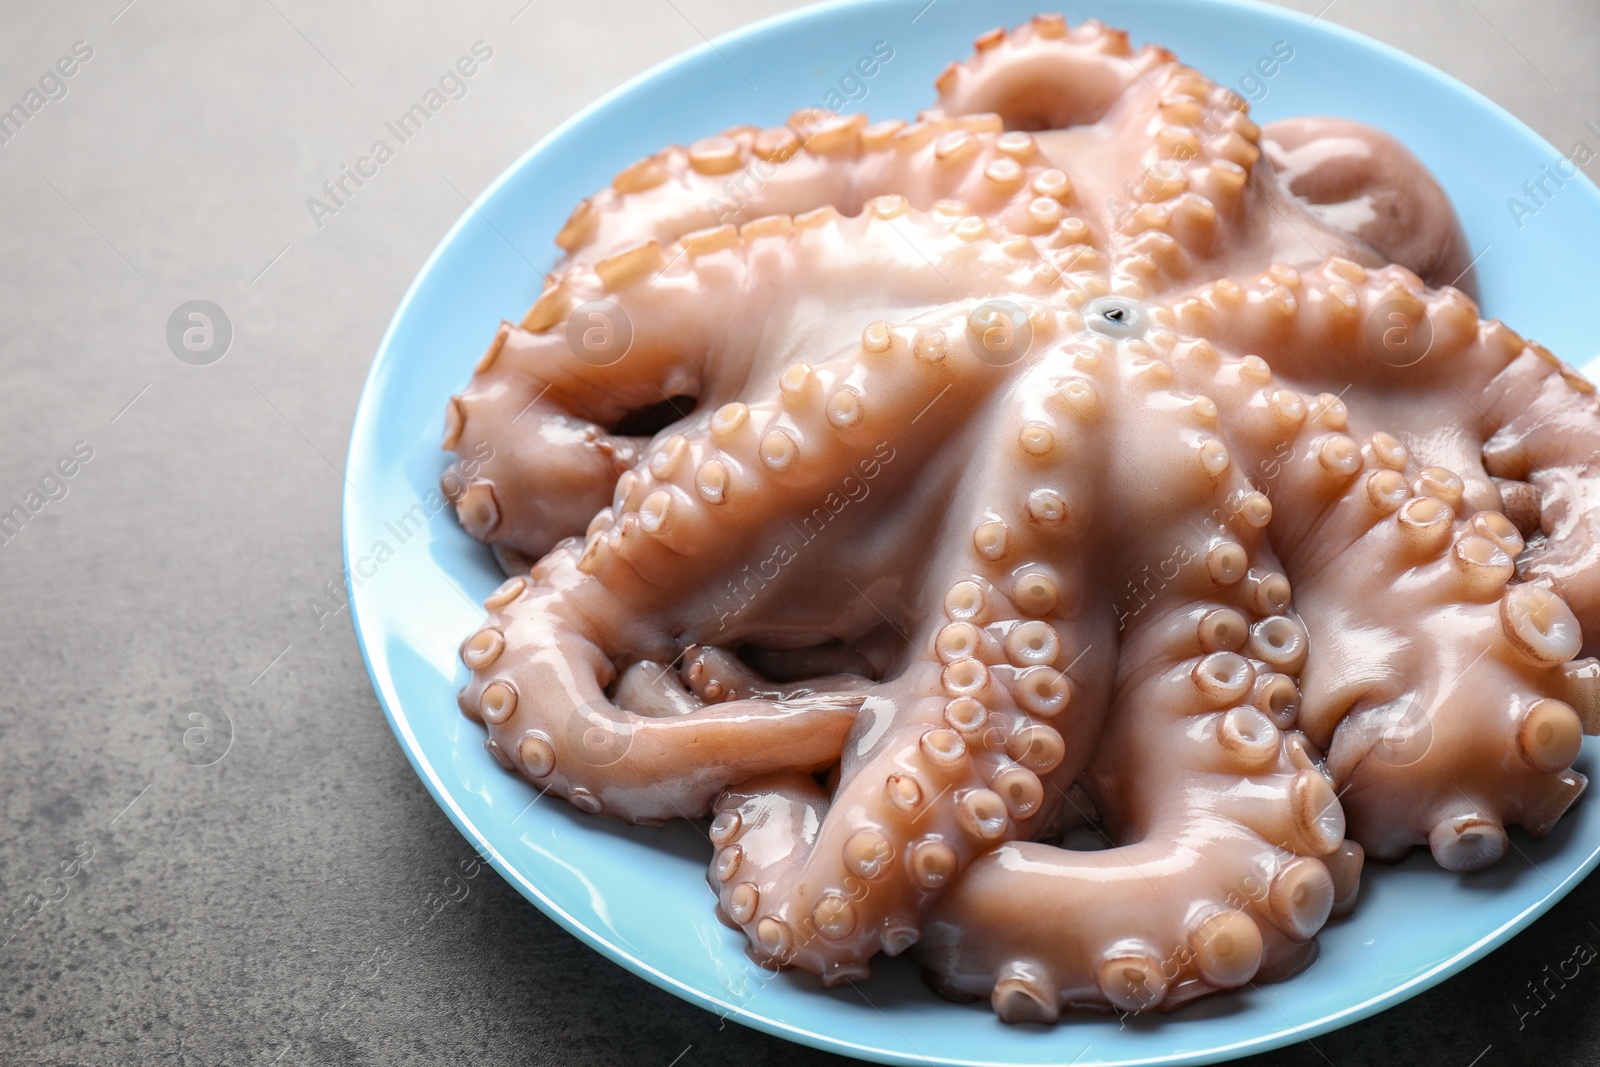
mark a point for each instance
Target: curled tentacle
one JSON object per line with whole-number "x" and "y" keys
{"x": 540, "y": 674}
{"x": 1443, "y": 724}
{"x": 1363, "y": 181}
{"x": 1151, "y": 925}
{"x": 1045, "y": 75}
{"x": 1437, "y": 691}
{"x": 542, "y": 469}
{"x": 1186, "y": 187}
{"x": 1523, "y": 427}
{"x": 1547, "y": 439}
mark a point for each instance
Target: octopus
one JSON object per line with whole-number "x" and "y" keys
{"x": 1060, "y": 538}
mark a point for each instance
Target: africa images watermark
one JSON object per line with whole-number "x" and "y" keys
{"x": 852, "y": 490}
{"x": 52, "y": 487}
{"x": 850, "y": 88}
{"x": 52, "y": 86}
{"x": 1543, "y": 992}
{"x": 338, "y": 191}
{"x": 1252, "y": 87}
{"x": 1540, "y": 190}
{"x": 200, "y": 732}
{"x": 401, "y": 529}
{"x": 360, "y": 977}
{"x": 54, "y": 883}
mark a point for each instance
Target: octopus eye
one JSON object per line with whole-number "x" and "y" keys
{"x": 1115, "y": 316}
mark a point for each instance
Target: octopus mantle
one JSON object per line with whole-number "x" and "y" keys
{"x": 1037, "y": 533}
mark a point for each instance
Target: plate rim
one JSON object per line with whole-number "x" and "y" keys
{"x": 362, "y": 432}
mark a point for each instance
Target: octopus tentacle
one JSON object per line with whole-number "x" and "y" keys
{"x": 720, "y": 486}
{"x": 689, "y": 489}
{"x": 545, "y": 471}
{"x": 1048, "y": 78}
{"x": 816, "y": 160}
{"x": 963, "y": 766}
{"x": 1194, "y": 191}
{"x": 541, "y": 667}
{"x": 1546, "y": 437}
{"x": 715, "y": 674}
{"x": 1526, "y": 427}
{"x": 1188, "y": 188}
{"x": 1468, "y": 673}
{"x": 1212, "y": 879}
{"x": 1101, "y": 943}
{"x": 1045, "y": 75}
{"x": 1365, "y": 182}
{"x": 541, "y": 401}
{"x": 971, "y": 745}
{"x": 1473, "y": 666}
{"x": 1376, "y": 340}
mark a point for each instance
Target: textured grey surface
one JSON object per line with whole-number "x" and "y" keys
{"x": 269, "y": 907}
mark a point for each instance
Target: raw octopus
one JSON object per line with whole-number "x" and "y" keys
{"x": 1080, "y": 460}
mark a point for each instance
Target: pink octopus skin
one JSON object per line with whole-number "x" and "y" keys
{"x": 1044, "y": 463}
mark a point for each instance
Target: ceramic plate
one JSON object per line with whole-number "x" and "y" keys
{"x": 639, "y": 895}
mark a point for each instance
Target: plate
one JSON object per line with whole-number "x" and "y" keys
{"x": 638, "y": 895}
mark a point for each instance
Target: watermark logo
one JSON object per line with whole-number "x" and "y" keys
{"x": 1405, "y": 733}
{"x": 1399, "y": 332}
{"x": 199, "y": 332}
{"x": 599, "y": 332}
{"x": 52, "y": 487}
{"x": 1252, "y": 87}
{"x": 595, "y": 737}
{"x": 53, "y": 85}
{"x": 452, "y": 85}
{"x": 999, "y": 332}
{"x": 200, "y": 732}
{"x": 1539, "y": 190}
{"x": 740, "y": 190}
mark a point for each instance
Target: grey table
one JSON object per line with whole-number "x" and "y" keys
{"x": 251, "y": 911}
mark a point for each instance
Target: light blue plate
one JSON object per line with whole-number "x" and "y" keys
{"x": 639, "y": 895}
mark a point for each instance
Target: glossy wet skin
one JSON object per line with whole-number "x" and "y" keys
{"x": 965, "y": 486}
{"x": 1365, "y": 182}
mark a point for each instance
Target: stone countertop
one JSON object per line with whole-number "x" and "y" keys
{"x": 248, "y": 911}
